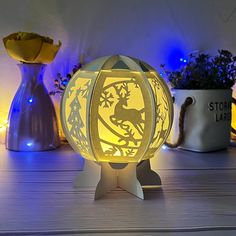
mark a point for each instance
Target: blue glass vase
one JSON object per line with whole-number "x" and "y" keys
{"x": 32, "y": 118}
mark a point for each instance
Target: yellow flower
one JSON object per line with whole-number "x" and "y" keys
{"x": 31, "y": 47}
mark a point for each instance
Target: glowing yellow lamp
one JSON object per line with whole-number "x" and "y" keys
{"x": 233, "y": 121}
{"x": 117, "y": 111}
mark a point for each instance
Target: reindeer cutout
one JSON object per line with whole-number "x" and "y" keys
{"x": 123, "y": 114}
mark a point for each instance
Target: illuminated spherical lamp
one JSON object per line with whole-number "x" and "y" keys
{"x": 233, "y": 120}
{"x": 117, "y": 111}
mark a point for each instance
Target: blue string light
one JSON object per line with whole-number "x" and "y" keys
{"x": 29, "y": 144}
{"x": 164, "y": 147}
{"x": 30, "y": 100}
{"x": 65, "y": 82}
{"x": 183, "y": 60}
{"x": 176, "y": 57}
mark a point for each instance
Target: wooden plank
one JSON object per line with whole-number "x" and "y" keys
{"x": 171, "y": 204}
{"x": 60, "y": 159}
{"x": 131, "y": 232}
{"x": 36, "y": 195}
{"x": 118, "y": 210}
{"x": 171, "y": 179}
{"x": 65, "y": 159}
{"x": 181, "y": 159}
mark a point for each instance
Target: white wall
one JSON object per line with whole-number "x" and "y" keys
{"x": 147, "y": 29}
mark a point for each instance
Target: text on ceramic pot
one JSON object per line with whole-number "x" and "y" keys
{"x": 222, "y": 110}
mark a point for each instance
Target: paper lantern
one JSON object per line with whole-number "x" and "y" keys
{"x": 233, "y": 120}
{"x": 116, "y": 110}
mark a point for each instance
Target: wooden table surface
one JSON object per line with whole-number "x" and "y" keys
{"x": 198, "y": 197}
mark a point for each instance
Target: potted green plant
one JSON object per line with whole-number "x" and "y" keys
{"x": 207, "y": 81}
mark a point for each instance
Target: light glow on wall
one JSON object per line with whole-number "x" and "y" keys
{"x": 3, "y": 126}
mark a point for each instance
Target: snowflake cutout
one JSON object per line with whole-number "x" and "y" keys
{"x": 106, "y": 99}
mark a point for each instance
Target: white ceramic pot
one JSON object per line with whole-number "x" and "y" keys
{"x": 207, "y": 123}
